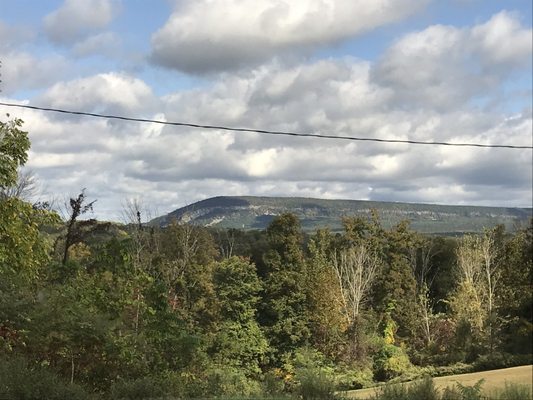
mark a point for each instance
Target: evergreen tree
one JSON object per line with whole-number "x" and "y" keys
{"x": 284, "y": 313}
{"x": 238, "y": 340}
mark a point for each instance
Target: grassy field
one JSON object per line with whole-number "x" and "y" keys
{"x": 494, "y": 380}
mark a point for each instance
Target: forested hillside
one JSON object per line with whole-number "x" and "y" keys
{"x": 95, "y": 310}
{"x": 249, "y": 212}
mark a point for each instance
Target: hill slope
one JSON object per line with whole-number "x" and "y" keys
{"x": 256, "y": 212}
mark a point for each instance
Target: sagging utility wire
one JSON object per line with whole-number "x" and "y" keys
{"x": 263, "y": 131}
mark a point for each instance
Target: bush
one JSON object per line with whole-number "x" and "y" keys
{"x": 22, "y": 380}
{"x": 213, "y": 382}
{"x": 423, "y": 390}
{"x": 513, "y": 391}
{"x": 391, "y": 361}
{"x": 355, "y": 379}
{"x": 499, "y": 360}
{"x": 316, "y": 384}
{"x": 314, "y": 377}
{"x": 230, "y": 382}
{"x": 392, "y": 392}
{"x": 454, "y": 369}
{"x": 462, "y": 392}
{"x": 451, "y": 393}
{"x": 139, "y": 389}
{"x": 272, "y": 384}
{"x": 420, "y": 390}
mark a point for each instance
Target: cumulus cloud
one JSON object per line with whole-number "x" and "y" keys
{"x": 503, "y": 40}
{"x": 105, "y": 43}
{"x": 445, "y": 66}
{"x": 204, "y": 36}
{"x": 11, "y": 36}
{"x": 172, "y": 166}
{"x": 23, "y": 71}
{"x": 110, "y": 92}
{"x": 76, "y": 19}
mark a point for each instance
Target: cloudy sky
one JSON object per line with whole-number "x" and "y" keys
{"x": 430, "y": 70}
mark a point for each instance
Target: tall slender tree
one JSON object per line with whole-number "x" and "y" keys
{"x": 284, "y": 311}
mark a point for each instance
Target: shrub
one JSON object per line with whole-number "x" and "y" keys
{"x": 513, "y": 391}
{"x": 501, "y": 360}
{"x": 392, "y": 392}
{"x": 316, "y": 384}
{"x": 451, "y": 393}
{"x": 355, "y": 379}
{"x": 470, "y": 392}
{"x": 313, "y": 376}
{"x": 454, "y": 369}
{"x": 223, "y": 381}
{"x": 421, "y": 390}
{"x": 22, "y": 380}
{"x": 390, "y": 362}
{"x": 138, "y": 389}
{"x": 272, "y": 383}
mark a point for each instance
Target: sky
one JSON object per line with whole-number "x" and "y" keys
{"x": 427, "y": 70}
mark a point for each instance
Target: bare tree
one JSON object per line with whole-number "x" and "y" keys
{"x": 226, "y": 239}
{"x": 185, "y": 244}
{"x": 491, "y": 275}
{"x": 469, "y": 260}
{"x": 356, "y": 270}
{"x": 24, "y": 189}
{"x": 78, "y": 207}
{"x": 132, "y": 215}
{"x": 425, "y": 311}
{"x": 420, "y": 258}
{"x": 479, "y": 276}
{"x": 467, "y": 301}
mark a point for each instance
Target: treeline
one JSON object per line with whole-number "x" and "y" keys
{"x": 133, "y": 311}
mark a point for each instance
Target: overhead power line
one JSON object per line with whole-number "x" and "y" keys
{"x": 263, "y": 131}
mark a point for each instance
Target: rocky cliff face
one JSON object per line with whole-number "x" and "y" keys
{"x": 257, "y": 212}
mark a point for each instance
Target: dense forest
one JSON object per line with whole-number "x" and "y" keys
{"x": 92, "y": 309}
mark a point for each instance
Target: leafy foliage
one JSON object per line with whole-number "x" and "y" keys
{"x": 135, "y": 311}
{"x": 14, "y": 146}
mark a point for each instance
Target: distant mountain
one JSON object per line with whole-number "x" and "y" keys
{"x": 257, "y": 212}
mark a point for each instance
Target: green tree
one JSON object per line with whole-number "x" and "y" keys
{"x": 14, "y": 146}
{"x": 238, "y": 340}
{"x": 327, "y": 322}
{"x": 284, "y": 312}
{"x": 515, "y": 298}
{"x": 67, "y": 331}
{"x": 479, "y": 272}
{"x": 23, "y": 249}
{"x": 187, "y": 255}
{"x": 396, "y": 290}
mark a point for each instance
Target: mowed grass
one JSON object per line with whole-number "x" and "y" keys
{"x": 494, "y": 380}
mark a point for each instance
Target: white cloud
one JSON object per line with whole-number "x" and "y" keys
{"x": 75, "y": 19}
{"x": 446, "y": 66}
{"x": 105, "y": 43}
{"x": 503, "y": 40}
{"x": 111, "y": 92}
{"x": 23, "y": 71}
{"x": 205, "y": 36}
{"x": 11, "y": 36}
{"x": 424, "y": 87}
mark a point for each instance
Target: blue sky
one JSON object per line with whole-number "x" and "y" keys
{"x": 457, "y": 70}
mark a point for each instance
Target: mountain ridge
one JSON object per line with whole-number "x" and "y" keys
{"x": 255, "y": 212}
